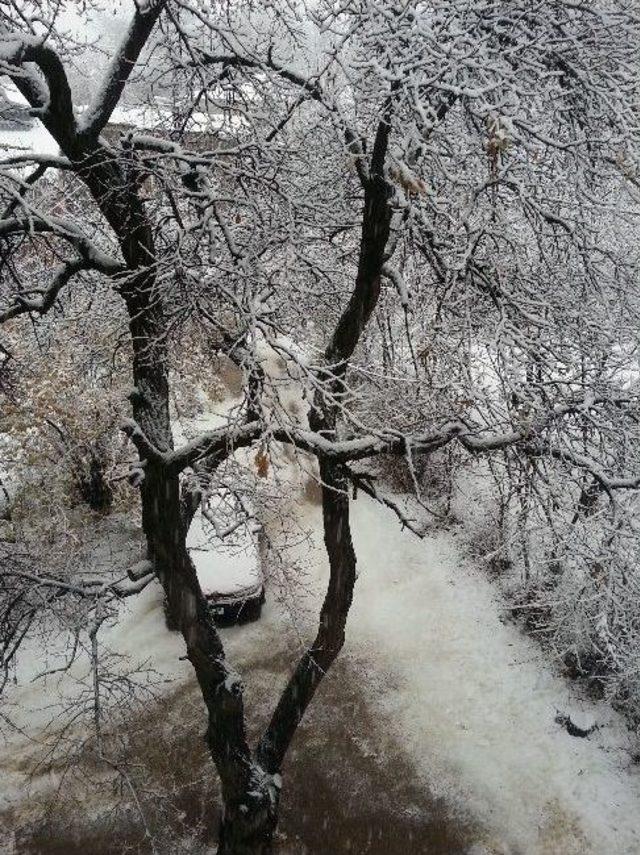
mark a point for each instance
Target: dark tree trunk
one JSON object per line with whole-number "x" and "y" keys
{"x": 329, "y": 640}
{"x": 249, "y": 794}
{"x": 95, "y": 488}
{"x": 248, "y": 828}
{"x": 323, "y": 418}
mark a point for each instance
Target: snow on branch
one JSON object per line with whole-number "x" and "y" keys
{"x": 221, "y": 442}
{"x": 84, "y": 588}
{"x": 123, "y": 63}
{"x": 48, "y": 160}
{"x": 146, "y": 449}
{"x": 55, "y": 107}
{"x": 68, "y": 231}
{"x": 396, "y": 277}
{"x": 91, "y": 257}
{"x": 310, "y": 88}
{"x": 607, "y": 483}
{"x": 46, "y": 298}
{"x": 366, "y": 482}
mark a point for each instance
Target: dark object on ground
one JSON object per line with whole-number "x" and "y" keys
{"x": 228, "y": 613}
{"x": 229, "y": 610}
{"x": 573, "y": 729}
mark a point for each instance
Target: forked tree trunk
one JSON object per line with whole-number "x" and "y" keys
{"x": 329, "y": 640}
{"x": 250, "y": 782}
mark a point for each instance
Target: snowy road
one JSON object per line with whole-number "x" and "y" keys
{"x": 473, "y": 704}
{"x": 441, "y": 681}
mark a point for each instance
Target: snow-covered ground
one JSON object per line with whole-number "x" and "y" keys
{"x": 473, "y": 701}
{"x": 474, "y": 704}
{"x": 470, "y": 700}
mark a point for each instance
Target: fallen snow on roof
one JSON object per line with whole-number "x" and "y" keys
{"x": 33, "y": 138}
{"x": 159, "y": 117}
{"x": 27, "y": 140}
{"x": 37, "y": 139}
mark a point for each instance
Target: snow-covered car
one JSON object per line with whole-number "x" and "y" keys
{"x": 223, "y": 538}
{"x": 229, "y": 570}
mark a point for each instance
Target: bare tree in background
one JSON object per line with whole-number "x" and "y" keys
{"x": 447, "y": 189}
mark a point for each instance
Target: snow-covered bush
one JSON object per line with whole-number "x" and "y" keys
{"x": 567, "y": 557}
{"x": 67, "y": 402}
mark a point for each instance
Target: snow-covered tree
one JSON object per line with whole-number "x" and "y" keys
{"x": 434, "y": 201}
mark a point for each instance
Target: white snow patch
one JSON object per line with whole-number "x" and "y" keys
{"x": 224, "y": 568}
{"x": 476, "y": 703}
{"x": 473, "y": 702}
{"x": 140, "y": 636}
{"x": 35, "y": 139}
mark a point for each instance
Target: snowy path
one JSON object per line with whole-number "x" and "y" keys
{"x": 466, "y": 697}
{"x": 472, "y": 702}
